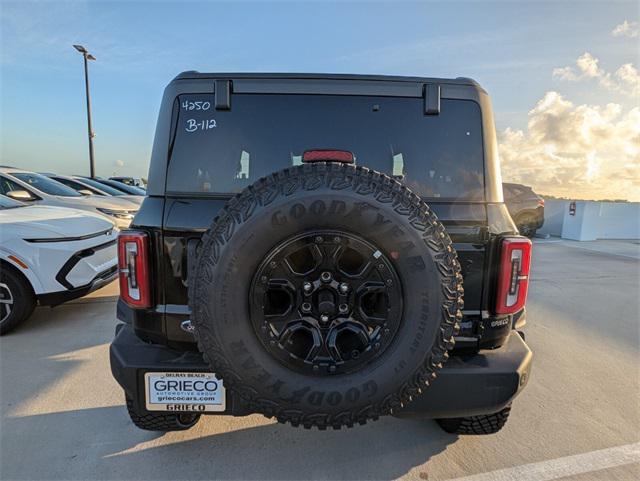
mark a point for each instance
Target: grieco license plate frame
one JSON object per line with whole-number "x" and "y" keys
{"x": 184, "y": 392}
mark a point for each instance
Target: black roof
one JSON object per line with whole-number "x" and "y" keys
{"x": 193, "y": 74}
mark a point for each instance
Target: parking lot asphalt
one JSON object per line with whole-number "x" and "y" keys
{"x": 579, "y": 418}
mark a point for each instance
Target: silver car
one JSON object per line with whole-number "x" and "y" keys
{"x": 93, "y": 187}
{"x": 32, "y": 187}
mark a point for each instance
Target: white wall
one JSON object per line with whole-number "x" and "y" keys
{"x": 553, "y": 217}
{"x": 619, "y": 221}
{"x": 599, "y": 220}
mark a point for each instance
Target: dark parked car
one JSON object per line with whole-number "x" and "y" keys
{"x": 125, "y": 188}
{"x": 304, "y": 250}
{"x": 525, "y": 206}
{"x": 134, "y": 181}
{"x": 93, "y": 187}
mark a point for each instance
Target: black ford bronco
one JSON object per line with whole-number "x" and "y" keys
{"x": 324, "y": 250}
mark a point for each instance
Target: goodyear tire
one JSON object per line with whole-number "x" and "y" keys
{"x": 17, "y": 300}
{"x": 527, "y": 225}
{"x": 479, "y": 425}
{"x": 163, "y": 422}
{"x": 337, "y": 332}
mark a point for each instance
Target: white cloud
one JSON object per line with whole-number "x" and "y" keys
{"x": 118, "y": 163}
{"x": 626, "y": 29}
{"x": 579, "y": 151}
{"x": 628, "y": 76}
{"x": 565, "y": 73}
{"x": 625, "y": 80}
{"x": 588, "y": 64}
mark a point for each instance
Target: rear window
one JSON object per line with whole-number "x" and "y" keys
{"x": 222, "y": 152}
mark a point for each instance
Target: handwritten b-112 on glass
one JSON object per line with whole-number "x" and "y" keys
{"x": 194, "y": 125}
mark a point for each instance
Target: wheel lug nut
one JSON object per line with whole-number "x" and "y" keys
{"x": 344, "y": 287}
{"x": 307, "y": 286}
{"x": 325, "y": 276}
{"x": 319, "y": 239}
{"x": 343, "y": 308}
{"x": 389, "y": 282}
{"x": 336, "y": 240}
{"x": 324, "y": 318}
{"x": 306, "y": 307}
{"x": 272, "y": 264}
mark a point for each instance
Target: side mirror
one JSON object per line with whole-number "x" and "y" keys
{"x": 85, "y": 192}
{"x": 23, "y": 195}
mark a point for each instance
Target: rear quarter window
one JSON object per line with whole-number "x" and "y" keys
{"x": 221, "y": 152}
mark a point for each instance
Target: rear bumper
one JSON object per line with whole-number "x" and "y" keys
{"x": 132, "y": 357}
{"x": 480, "y": 384}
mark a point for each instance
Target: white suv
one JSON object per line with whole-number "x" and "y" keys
{"x": 50, "y": 255}
{"x": 31, "y": 187}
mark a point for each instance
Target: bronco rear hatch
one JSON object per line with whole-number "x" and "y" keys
{"x": 225, "y": 133}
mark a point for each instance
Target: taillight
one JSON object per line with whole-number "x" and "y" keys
{"x": 513, "y": 277}
{"x": 540, "y": 202}
{"x": 133, "y": 270}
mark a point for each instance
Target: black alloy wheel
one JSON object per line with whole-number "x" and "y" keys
{"x": 326, "y": 302}
{"x": 6, "y": 302}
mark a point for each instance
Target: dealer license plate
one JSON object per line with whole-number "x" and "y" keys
{"x": 184, "y": 391}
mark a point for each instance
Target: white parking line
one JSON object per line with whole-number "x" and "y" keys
{"x": 562, "y": 467}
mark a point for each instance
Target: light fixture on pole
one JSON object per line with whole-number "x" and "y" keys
{"x": 87, "y": 56}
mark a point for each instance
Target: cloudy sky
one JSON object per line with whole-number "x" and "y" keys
{"x": 562, "y": 75}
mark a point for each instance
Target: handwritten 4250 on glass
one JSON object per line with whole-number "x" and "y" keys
{"x": 196, "y": 105}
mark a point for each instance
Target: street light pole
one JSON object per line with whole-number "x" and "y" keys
{"x": 87, "y": 56}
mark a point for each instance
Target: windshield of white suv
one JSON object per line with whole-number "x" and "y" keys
{"x": 45, "y": 184}
{"x": 102, "y": 187}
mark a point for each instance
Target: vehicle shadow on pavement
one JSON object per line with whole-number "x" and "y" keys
{"x": 66, "y": 318}
{"x": 40, "y": 355}
{"x": 101, "y": 443}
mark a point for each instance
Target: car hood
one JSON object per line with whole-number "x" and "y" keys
{"x": 136, "y": 199}
{"x": 109, "y": 202}
{"x": 39, "y": 221}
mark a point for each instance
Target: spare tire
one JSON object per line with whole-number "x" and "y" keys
{"x": 326, "y": 295}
